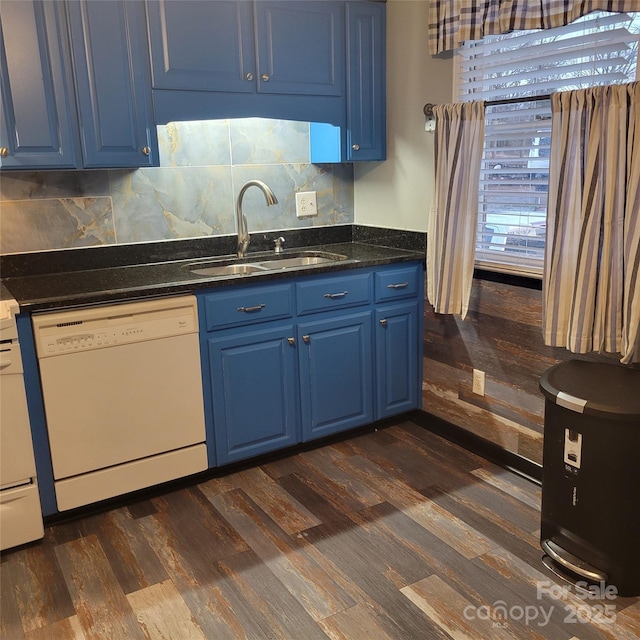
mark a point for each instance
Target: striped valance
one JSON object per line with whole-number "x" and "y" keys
{"x": 452, "y": 22}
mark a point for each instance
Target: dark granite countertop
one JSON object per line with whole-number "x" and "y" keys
{"x": 106, "y": 283}
{"x": 4, "y": 292}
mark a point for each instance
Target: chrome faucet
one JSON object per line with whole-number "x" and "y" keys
{"x": 278, "y": 242}
{"x": 241, "y": 219}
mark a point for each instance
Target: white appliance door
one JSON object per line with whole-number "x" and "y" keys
{"x": 109, "y": 406}
{"x": 16, "y": 450}
{"x": 20, "y": 516}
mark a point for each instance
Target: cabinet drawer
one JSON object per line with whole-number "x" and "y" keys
{"x": 247, "y": 305}
{"x": 395, "y": 284}
{"x": 335, "y": 292}
{"x": 20, "y": 516}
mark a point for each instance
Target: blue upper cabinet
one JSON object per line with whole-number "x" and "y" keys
{"x": 320, "y": 61}
{"x": 366, "y": 104}
{"x": 113, "y": 86}
{"x": 38, "y": 111}
{"x": 300, "y": 47}
{"x": 202, "y": 46}
{"x": 76, "y": 88}
{"x": 280, "y": 47}
{"x": 77, "y": 79}
{"x": 362, "y": 134}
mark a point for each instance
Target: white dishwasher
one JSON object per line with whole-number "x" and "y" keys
{"x": 123, "y": 400}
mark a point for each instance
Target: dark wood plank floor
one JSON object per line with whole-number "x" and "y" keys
{"x": 393, "y": 534}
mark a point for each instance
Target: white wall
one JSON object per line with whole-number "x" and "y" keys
{"x": 397, "y": 193}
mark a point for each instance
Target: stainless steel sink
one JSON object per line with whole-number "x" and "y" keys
{"x": 301, "y": 261}
{"x": 292, "y": 260}
{"x": 226, "y": 269}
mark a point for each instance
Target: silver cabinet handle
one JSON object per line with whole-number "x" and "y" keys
{"x": 291, "y": 340}
{"x": 400, "y": 285}
{"x": 265, "y": 77}
{"x": 248, "y": 76}
{"x": 355, "y": 147}
{"x": 333, "y": 296}
{"x": 383, "y": 322}
{"x": 252, "y": 309}
{"x": 4, "y": 152}
{"x": 146, "y": 151}
{"x": 306, "y": 339}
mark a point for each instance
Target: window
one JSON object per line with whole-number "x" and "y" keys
{"x": 513, "y": 73}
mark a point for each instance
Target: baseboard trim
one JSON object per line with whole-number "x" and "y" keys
{"x": 528, "y": 469}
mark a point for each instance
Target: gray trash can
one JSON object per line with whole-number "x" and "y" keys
{"x": 590, "y": 528}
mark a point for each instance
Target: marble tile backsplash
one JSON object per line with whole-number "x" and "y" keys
{"x": 192, "y": 194}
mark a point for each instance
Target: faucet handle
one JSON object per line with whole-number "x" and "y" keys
{"x": 278, "y": 242}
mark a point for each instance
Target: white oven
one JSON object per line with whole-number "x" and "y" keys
{"x": 123, "y": 401}
{"x": 20, "y": 511}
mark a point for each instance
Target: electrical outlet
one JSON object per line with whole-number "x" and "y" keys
{"x": 306, "y": 204}
{"x": 478, "y": 382}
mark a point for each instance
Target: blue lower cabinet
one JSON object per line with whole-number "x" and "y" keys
{"x": 336, "y": 374}
{"x": 254, "y": 382}
{"x": 308, "y": 357}
{"x": 397, "y": 359}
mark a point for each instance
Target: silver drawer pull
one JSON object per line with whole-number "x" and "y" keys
{"x": 400, "y": 285}
{"x": 291, "y": 340}
{"x": 342, "y": 294}
{"x": 306, "y": 339}
{"x": 252, "y": 309}
{"x": 383, "y": 322}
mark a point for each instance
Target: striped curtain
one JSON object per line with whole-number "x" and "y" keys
{"x": 452, "y": 22}
{"x": 591, "y": 288}
{"x": 451, "y": 237}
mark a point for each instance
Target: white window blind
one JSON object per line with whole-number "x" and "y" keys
{"x": 514, "y": 69}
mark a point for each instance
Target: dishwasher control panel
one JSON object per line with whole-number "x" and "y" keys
{"x": 62, "y": 343}
{"x": 62, "y": 332}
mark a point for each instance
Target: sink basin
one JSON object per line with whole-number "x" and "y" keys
{"x": 226, "y": 270}
{"x": 228, "y": 267}
{"x": 300, "y": 261}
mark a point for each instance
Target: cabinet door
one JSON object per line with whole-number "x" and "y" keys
{"x": 37, "y": 118}
{"x": 366, "y": 107}
{"x": 202, "y": 46}
{"x": 397, "y": 358}
{"x": 253, "y": 392}
{"x": 336, "y": 376}
{"x": 113, "y": 86}
{"x": 300, "y": 47}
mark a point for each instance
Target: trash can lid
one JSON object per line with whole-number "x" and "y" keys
{"x": 596, "y": 388}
